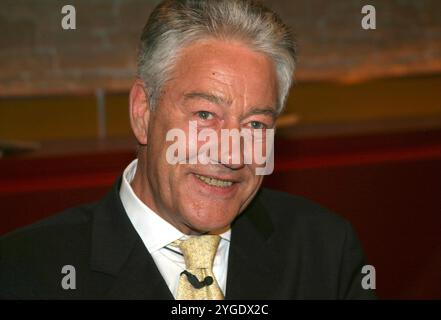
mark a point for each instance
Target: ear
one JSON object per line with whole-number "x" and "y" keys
{"x": 139, "y": 111}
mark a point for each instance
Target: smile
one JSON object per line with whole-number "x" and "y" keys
{"x": 215, "y": 182}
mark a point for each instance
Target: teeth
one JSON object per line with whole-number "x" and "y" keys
{"x": 215, "y": 182}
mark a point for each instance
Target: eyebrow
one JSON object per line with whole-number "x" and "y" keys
{"x": 221, "y": 101}
{"x": 265, "y": 111}
{"x": 207, "y": 96}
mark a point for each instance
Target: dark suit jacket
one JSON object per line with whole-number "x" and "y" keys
{"x": 282, "y": 247}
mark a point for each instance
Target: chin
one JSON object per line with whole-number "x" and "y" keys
{"x": 208, "y": 221}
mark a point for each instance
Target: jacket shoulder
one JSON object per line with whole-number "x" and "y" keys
{"x": 32, "y": 257}
{"x": 288, "y": 209}
{"x": 57, "y": 223}
{"x": 322, "y": 244}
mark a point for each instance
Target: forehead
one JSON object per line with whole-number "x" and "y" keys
{"x": 225, "y": 68}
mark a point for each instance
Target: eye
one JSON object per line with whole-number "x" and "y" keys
{"x": 204, "y": 115}
{"x": 257, "y": 125}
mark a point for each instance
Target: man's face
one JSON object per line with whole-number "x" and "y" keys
{"x": 220, "y": 85}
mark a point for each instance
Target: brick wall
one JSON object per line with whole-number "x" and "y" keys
{"x": 38, "y": 57}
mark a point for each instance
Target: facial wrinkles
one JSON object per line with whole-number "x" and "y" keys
{"x": 233, "y": 88}
{"x": 222, "y": 83}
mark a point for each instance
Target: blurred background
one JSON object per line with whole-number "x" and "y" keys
{"x": 361, "y": 133}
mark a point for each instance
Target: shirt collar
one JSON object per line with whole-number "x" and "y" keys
{"x": 154, "y": 231}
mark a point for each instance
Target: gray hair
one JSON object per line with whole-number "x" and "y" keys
{"x": 174, "y": 24}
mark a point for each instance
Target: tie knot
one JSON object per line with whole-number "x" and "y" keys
{"x": 199, "y": 251}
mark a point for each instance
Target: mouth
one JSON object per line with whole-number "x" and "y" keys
{"x": 219, "y": 187}
{"x": 215, "y": 182}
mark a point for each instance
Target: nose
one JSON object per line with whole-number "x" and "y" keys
{"x": 231, "y": 147}
{"x": 231, "y": 164}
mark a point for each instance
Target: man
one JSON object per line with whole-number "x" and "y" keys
{"x": 186, "y": 229}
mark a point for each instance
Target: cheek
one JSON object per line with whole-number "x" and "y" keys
{"x": 252, "y": 185}
{"x": 160, "y": 171}
{"x": 255, "y": 182}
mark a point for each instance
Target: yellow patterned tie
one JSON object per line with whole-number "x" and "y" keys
{"x": 199, "y": 253}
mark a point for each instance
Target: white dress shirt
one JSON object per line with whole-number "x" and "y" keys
{"x": 157, "y": 233}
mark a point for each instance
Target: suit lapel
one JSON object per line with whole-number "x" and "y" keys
{"x": 139, "y": 278}
{"x": 117, "y": 250}
{"x": 253, "y": 265}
